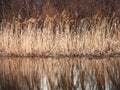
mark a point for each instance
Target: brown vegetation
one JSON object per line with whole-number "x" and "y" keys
{"x": 75, "y": 9}
{"x": 37, "y": 37}
{"x": 59, "y": 27}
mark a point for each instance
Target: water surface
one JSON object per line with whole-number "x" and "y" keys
{"x": 59, "y": 74}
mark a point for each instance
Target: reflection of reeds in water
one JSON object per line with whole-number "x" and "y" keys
{"x": 59, "y": 74}
{"x": 34, "y": 38}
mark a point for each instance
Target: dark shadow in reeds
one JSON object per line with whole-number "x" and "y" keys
{"x": 70, "y": 9}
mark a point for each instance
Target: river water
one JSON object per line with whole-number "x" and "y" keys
{"x": 59, "y": 73}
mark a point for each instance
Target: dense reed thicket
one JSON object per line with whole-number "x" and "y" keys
{"x": 59, "y": 74}
{"x": 59, "y": 27}
{"x": 64, "y": 38}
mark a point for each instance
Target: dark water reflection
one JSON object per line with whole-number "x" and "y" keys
{"x": 59, "y": 74}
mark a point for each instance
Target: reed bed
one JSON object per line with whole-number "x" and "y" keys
{"x": 59, "y": 74}
{"x": 100, "y": 37}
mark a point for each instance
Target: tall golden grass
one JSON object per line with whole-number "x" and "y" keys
{"x": 35, "y": 37}
{"x": 59, "y": 74}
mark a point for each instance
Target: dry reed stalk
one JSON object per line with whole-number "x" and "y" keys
{"x": 89, "y": 37}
